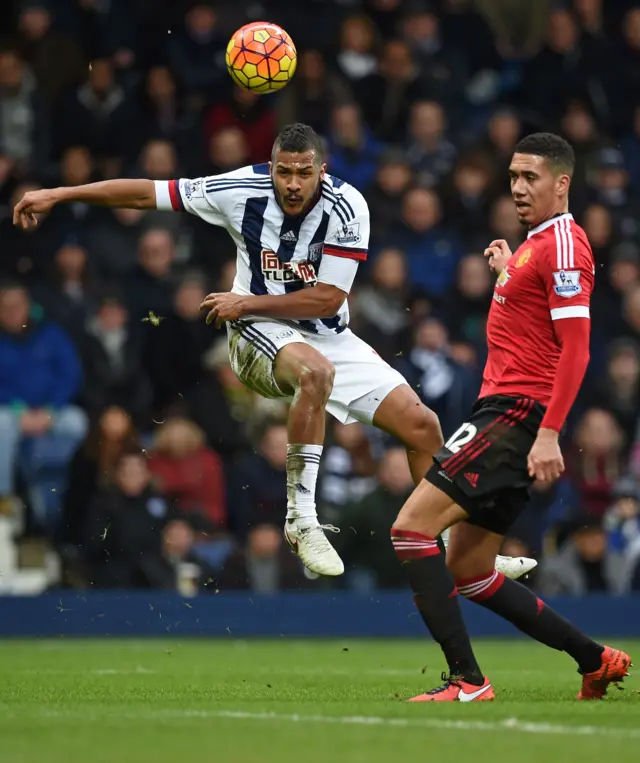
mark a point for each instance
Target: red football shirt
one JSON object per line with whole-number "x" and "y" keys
{"x": 550, "y": 277}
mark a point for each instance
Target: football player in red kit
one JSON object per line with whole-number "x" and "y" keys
{"x": 538, "y": 351}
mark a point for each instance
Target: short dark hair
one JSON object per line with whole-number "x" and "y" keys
{"x": 558, "y": 153}
{"x": 298, "y": 138}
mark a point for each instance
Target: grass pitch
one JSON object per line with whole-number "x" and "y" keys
{"x": 310, "y": 701}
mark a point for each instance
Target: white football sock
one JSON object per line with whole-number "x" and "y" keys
{"x": 303, "y": 462}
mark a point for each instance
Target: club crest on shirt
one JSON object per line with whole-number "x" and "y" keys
{"x": 348, "y": 234}
{"x": 315, "y": 252}
{"x": 567, "y": 283}
{"x": 286, "y": 272}
{"x": 524, "y": 258}
{"x": 193, "y": 189}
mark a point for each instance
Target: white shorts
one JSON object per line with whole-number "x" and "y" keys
{"x": 362, "y": 381}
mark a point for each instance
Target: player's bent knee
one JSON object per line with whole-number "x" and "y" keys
{"x": 316, "y": 377}
{"x": 423, "y": 430}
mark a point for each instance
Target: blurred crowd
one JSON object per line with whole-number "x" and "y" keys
{"x": 140, "y": 458}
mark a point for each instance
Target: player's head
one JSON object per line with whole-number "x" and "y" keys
{"x": 297, "y": 167}
{"x": 540, "y": 173}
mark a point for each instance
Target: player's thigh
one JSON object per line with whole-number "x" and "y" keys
{"x": 254, "y": 347}
{"x": 472, "y": 550}
{"x": 429, "y": 510}
{"x": 362, "y": 378}
{"x": 402, "y": 414}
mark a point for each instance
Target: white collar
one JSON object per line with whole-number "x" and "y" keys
{"x": 548, "y": 223}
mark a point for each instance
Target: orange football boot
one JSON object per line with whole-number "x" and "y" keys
{"x": 614, "y": 667}
{"x": 455, "y": 689}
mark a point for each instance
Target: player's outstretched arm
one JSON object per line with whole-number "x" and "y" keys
{"x": 127, "y": 193}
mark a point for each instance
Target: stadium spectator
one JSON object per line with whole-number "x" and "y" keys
{"x": 111, "y": 356}
{"x": 394, "y": 177}
{"x": 595, "y": 462}
{"x": 113, "y": 241}
{"x": 582, "y": 564}
{"x": 174, "y": 348}
{"x": 380, "y": 307}
{"x": 93, "y": 467}
{"x": 24, "y": 127}
{"x": 190, "y": 473}
{"x": 469, "y": 197}
{"x": 470, "y": 299}
{"x": 98, "y": 115}
{"x": 122, "y": 542}
{"x": 313, "y": 92}
{"x": 41, "y": 378}
{"x": 252, "y": 115}
{"x": 74, "y": 220}
{"x": 353, "y": 150}
{"x": 503, "y": 131}
{"x": 228, "y": 413}
{"x": 348, "y": 470}
{"x": 196, "y": 53}
{"x": 503, "y": 223}
{"x": 363, "y": 543}
{"x": 443, "y": 385}
{"x": 430, "y": 153}
{"x": 258, "y": 489}
{"x": 56, "y": 60}
{"x": 150, "y": 287}
{"x": 356, "y": 57}
{"x": 69, "y": 296}
{"x": 387, "y": 95}
{"x": 265, "y": 565}
{"x": 432, "y": 250}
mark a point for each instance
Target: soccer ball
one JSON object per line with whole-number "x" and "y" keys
{"x": 261, "y": 57}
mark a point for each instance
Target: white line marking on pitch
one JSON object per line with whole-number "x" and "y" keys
{"x": 509, "y": 724}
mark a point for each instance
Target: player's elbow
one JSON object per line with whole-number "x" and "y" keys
{"x": 331, "y": 300}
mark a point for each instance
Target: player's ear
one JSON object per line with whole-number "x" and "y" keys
{"x": 323, "y": 169}
{"x": 270, "y": 166}
{"x": 562, "y": 184}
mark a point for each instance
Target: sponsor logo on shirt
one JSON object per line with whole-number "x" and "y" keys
{"x": 348, "y": 234}
{"x": 504, "y": 277}
{"x": 285, "y": 272}
{"x": 567, "y": 283}
{"x": 193, "y": 189}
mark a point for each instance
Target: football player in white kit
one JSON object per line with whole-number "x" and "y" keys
{"x": 300, "y": 235}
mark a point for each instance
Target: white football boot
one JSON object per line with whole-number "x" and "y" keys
{"x": 311, "y": 545}
{"x": 512, "y": 567}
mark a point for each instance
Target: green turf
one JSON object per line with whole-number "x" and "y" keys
{"x": 310, "y": 701}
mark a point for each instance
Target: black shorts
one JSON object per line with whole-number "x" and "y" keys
{"x": 483, "y": 465}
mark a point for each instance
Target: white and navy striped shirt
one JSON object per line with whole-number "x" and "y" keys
{"x": 278, "y": 253}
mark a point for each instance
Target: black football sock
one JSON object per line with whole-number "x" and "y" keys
{"x": 436, "y": 598}
{"x": 532, "y": 616}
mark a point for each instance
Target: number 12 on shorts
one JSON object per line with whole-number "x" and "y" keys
{"x": 461, "y": 437}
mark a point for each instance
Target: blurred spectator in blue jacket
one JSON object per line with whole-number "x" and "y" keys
{"x": 196, "y": 53}
{"x": 353, "y": 150}
{"x": 40, "y": 377}
{"x": 432, "y": 250}
{"x": 444, "y": 385}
